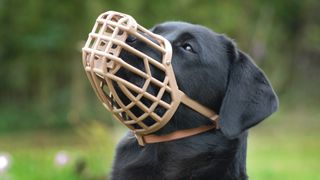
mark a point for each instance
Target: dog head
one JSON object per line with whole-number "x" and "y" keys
{"x": 210, "y": 69}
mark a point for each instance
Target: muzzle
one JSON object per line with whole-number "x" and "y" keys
{"x": 102, "y": 63}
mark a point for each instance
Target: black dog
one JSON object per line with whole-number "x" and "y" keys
{"x": 211, "y": 70}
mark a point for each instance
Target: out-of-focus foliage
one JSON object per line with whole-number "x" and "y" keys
{"x": 43, "y": 83}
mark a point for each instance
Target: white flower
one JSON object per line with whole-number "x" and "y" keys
{"x": 5, "y": 161}
{"x": 62, "y": 158}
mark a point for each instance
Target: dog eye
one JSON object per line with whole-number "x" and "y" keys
{"x": 188, "y": 47}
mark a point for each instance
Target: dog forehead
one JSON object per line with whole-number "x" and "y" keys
{"x": 176, "y": 28}
{"x": 210, "y": 43}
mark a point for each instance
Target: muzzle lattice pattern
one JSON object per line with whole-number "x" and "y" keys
{"x": 102, "y": 62}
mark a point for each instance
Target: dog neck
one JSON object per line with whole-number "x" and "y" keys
{"x": 211, "y": 156}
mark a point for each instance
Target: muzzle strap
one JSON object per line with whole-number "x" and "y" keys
{"x": 180, "y": 134}
{"x": 199, "y": 108}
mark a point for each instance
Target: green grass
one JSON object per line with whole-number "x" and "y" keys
{"x": 286, "y": 147}
{"x": 284, "y": 157}
{"x": 33, "y": 154}
{"x": 276, "y": 150}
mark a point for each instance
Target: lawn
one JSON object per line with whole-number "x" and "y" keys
{"x": 286, "y": 147}
{"x": 283, "y": 153}
{"x": 284, "y": 157}
{"x": 87, "y": 154}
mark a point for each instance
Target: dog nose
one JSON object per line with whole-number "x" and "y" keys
{"x": 131, "y": 39}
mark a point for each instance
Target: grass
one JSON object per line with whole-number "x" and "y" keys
{"x": 276, "y": 150}
{"x": 286, "y": 147}
{"x": 33, "y": 154}
{"x": 284, "y": 157}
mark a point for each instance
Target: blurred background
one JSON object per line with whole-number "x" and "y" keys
{"x": 52, "y": 125}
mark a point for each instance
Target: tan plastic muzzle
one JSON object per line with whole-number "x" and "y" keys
{"x": 102, "y": 62}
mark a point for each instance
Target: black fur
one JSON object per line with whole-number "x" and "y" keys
{"x": 219, "y": 76}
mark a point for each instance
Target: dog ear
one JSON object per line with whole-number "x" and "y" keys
{"x": 249, "y": 97}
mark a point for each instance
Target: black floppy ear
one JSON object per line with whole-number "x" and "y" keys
{"x": 249, "y": 98}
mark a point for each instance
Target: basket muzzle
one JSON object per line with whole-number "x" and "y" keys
{"x": 133, "y": 104}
